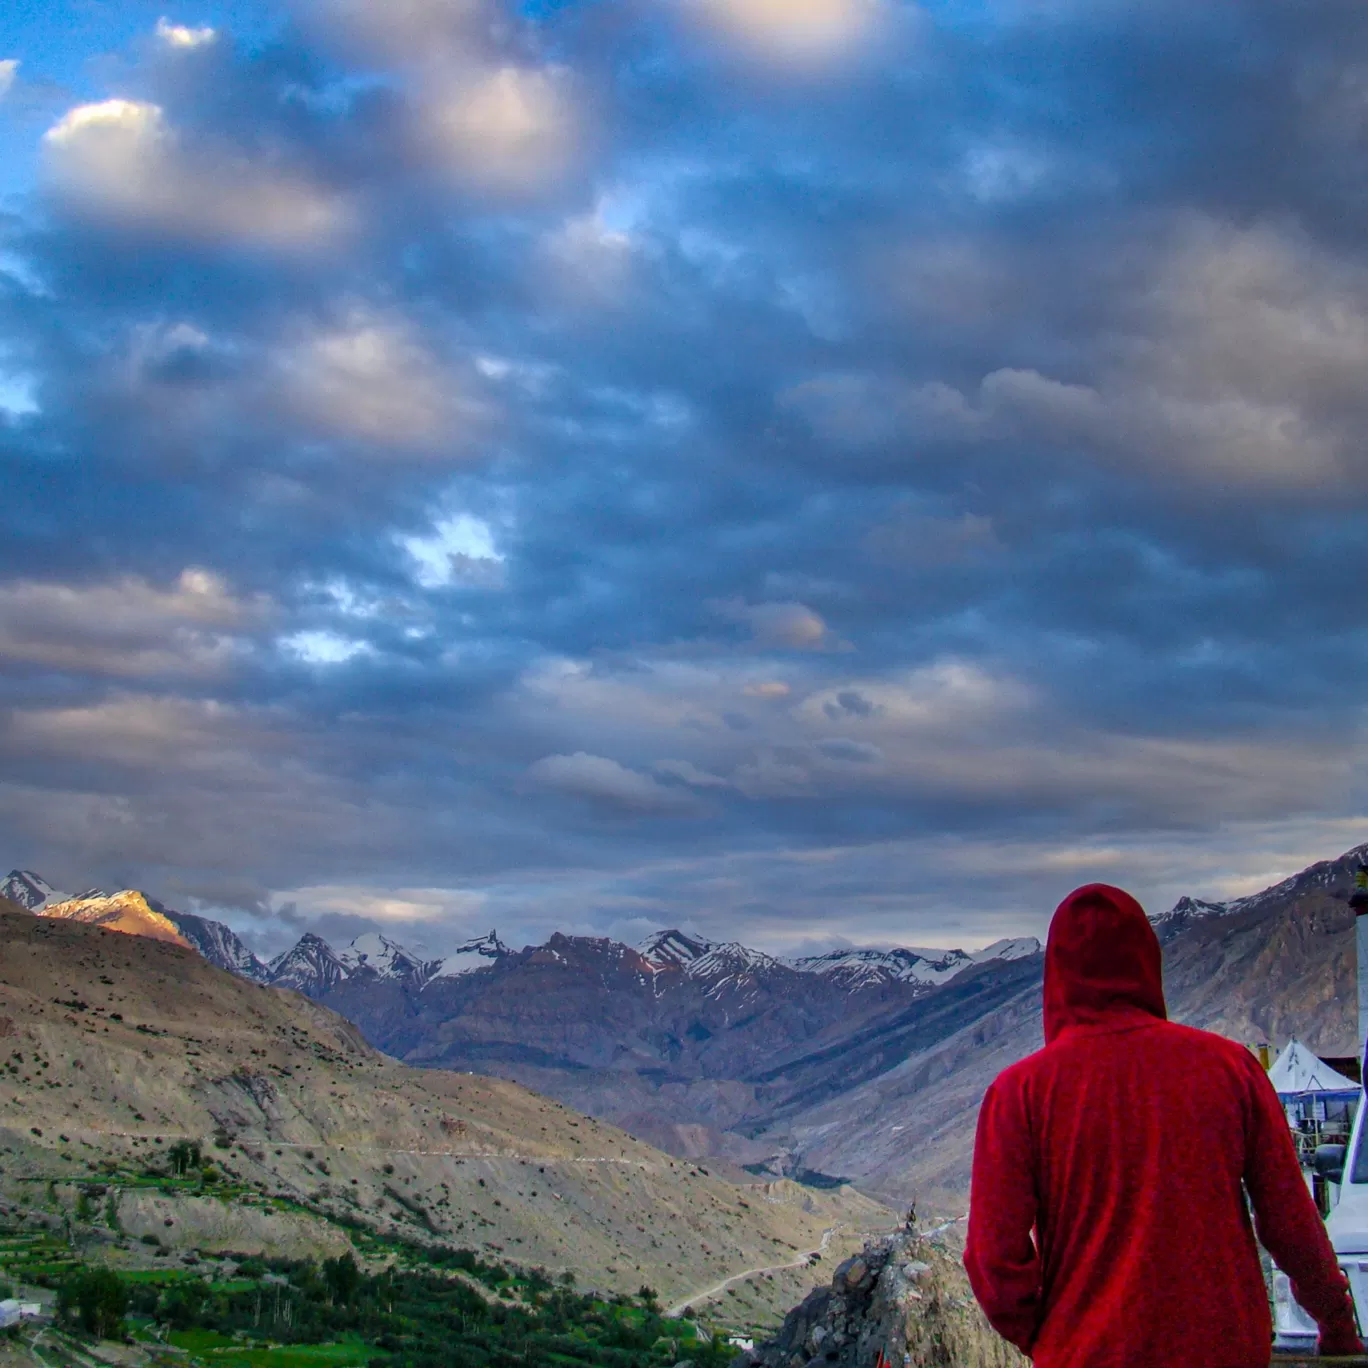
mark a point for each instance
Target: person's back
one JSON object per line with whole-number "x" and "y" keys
{"x": 1108, "y": 1225}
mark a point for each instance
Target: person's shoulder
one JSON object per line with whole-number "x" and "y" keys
{"x": 1207, "y": 1045}
{"x": 1017, "y": 1075}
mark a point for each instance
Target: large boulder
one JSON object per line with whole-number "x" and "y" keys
{"x": 905, "y": 1298}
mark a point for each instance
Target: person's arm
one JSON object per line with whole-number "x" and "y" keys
{"x": 1290, "y": 1227}
{"x": 1000, "y": 1256}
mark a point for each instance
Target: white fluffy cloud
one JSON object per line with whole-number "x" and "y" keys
{"x": 407, "y": 906}
{"x": 121, "y": 159}
{"x": 9, "y": 70}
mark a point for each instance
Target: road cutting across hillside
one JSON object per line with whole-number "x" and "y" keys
{"x": 715, "y": 1291}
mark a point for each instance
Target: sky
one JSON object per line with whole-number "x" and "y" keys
{"x": 811, "y": 472}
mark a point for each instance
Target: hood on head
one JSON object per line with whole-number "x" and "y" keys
{"x": 1102, "y": 961}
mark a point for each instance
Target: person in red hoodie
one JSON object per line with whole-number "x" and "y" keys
{"x": 1108, "y": 1223}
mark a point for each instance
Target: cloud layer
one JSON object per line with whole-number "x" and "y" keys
{"x": 807, "y": 471}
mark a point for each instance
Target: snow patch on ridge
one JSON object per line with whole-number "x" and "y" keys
{"x": 30, "y": 890}
{"x": 311, "y": 967}
{"x": 863, "y": 967}
{"x": 662, "y": 949}
{"x": 474, "y": 955}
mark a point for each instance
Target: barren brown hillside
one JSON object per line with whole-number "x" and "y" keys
{"x": 114, "y": 1046}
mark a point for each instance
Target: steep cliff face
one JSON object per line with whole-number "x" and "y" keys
{"x": 1269, "y": 974}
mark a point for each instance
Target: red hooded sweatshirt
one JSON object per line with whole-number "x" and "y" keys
{"x": 1108, "y": 1226}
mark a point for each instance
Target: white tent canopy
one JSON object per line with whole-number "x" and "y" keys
{"x": 1297, "y": 1070}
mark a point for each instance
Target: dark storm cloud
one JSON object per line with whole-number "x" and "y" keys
{"x": 607, "y": 464}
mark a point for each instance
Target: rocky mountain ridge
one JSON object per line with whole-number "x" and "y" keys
{"x": 314, "y": 967}
{"x": 859, "y": 1064}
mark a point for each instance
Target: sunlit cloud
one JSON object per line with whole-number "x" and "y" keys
{"x": 180, "y": 36}
{"x": 789, "y": 626}
{"x": 142, "y": 731}
{"x": 128, "y": 627}
{"x": 412, "y": 32}
{"x": 508, "y": 129}
{"x": 767, "y": 688}
{"x": 121, "y": 158}
{"x": 9, "y": 71}
{"x": 799, "y": 32}
{"x": 409, "y": 906}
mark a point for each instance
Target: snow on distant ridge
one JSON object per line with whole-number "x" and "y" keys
{"x": 729, "y": 958}
{"x": 217, "y": 942}
{"x": 672, "y": 947}
{"x": 478, "y": 953}
{"x": 863, "y": 966}
{"x": 700, "y": 958}
{"x": 1009, "y": 948}
{"x": 385, "y": 958}
{"x": 311, "y": 966}
{"x": 1188, "y": 909}
{"x": 852, "y": 968}
{"x": 30, "y": 890}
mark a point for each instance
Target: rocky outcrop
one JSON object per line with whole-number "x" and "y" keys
{"x": 904, "y": 1300}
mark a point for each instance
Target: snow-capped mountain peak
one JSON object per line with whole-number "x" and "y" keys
{"x": 312, "y": 967}
{"x": 477, "y": 953}
{"x": 729, "y": 958}
{"x": 868, "y": 967}
{"x": 1193, "y": 908}
{"x": 672, "y": 948}
{"x": 377, "y": 954}
{"x": 1010, "y": 948}
{"x": 30, "y": 890}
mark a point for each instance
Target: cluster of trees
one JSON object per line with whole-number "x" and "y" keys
{"x": 96, "y": 1299}
{"x": 412, "y": 1317}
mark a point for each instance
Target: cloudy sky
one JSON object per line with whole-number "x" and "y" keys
{"x": 803, "y": 470}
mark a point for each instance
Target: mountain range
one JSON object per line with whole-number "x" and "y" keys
{"x": 864, "y": 1064}
{"x": 664, "y": 960}
{"x": 308, "y": 1141}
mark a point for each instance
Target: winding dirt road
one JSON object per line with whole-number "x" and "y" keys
{"x": 694, "y": 1298}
